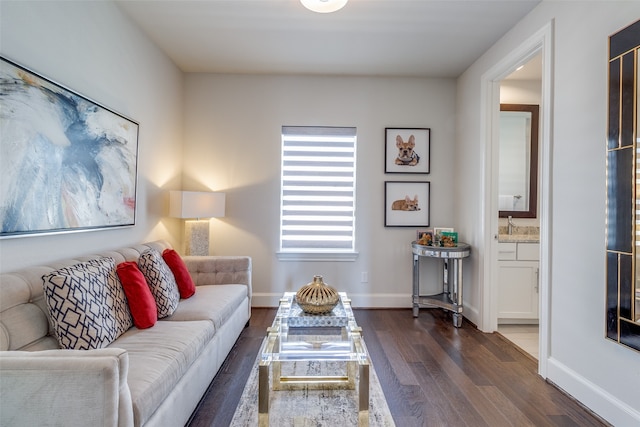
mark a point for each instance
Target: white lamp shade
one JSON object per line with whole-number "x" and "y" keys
{"x": 196, "y": 204}
{"x": 324, "y": 6}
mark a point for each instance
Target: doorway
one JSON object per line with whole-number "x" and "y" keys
{"x": 538, "y": 44}
{"x": 519, "y": 219}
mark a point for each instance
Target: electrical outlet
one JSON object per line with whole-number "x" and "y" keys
{"x": 364, "y": 277}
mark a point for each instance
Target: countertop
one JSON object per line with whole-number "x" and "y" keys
{"x": 526, "y": 234}
{"x": 518, "y": 238}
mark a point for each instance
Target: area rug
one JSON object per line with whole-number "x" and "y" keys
{"x": 306, "y": 408}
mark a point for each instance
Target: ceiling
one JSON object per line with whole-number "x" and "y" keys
{"x": 412, "y": 38}
{"x": 530, "y": 70}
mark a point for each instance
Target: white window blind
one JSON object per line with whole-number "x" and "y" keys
{"x": 318, "y": 189}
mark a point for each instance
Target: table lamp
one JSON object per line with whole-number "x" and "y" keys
{"x": 193, "y": 206}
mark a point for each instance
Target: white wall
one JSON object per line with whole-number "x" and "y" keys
{"x": 521, "y": 92}
{"x": 232, "y": 144}
{"x": 601, "y": 374}
{"x": 93, "y": 49}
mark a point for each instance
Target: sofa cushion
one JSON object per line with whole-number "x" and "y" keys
{"x": 161, "y": 281}
{"x": 215, "y": 303}
{"x": 141, "y": 302}
{"x": 87, "y": 304}
{"x": 179, "y": 269}
{"x": 158, "y": 358}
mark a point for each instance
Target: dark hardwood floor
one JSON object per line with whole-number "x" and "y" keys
{"x": 432, "y": 374}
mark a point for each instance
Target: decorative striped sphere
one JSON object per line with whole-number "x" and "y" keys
{"x": 317, "y": 297}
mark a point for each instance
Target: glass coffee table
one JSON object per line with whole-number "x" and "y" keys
{"x": 333, "y": 339}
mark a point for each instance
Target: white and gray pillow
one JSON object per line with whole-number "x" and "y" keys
{"x": 161, "y": 282}
{"x": 87, "y": 304}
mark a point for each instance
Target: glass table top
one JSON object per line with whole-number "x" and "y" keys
{"x": 296, "y": 335}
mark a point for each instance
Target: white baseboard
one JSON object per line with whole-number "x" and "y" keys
{"x": 360, "y": 301}
{"x": 471, "y": 313}
{"x": 357, "y": 300}
{"x": 595, "y": 398}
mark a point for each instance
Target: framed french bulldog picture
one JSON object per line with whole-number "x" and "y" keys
{"x": 406, "y": 204}
{"x": 407, "y": 150}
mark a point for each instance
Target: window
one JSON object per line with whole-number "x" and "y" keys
{"x": 318, "y": 190}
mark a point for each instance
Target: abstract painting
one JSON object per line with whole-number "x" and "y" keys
{"x": 67, "y": 163}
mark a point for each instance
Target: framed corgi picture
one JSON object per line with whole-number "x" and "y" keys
{"x": 407, "y": 150}
{"x": 406, "y": 204}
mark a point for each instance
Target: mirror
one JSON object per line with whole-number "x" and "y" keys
{"x": 623, "y": 190}
{"x": 518, "y": 161}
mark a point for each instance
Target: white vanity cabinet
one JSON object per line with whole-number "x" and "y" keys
{"x": 518, "y": 276}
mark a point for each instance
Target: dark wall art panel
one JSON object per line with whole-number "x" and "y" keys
{"x": 623, "y": 189}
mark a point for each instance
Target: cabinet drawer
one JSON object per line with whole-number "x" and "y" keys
{"x": 528, "y": 251}
{"x": 507, "y": 251}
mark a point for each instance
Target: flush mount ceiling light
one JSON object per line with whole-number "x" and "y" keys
{"x": 324, "y": 6}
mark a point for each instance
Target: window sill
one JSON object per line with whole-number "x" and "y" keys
{"x": 317, "y": 256}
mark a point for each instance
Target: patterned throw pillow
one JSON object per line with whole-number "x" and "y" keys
{"x": 117, "y": 301}
{"x": 161, "y": 281}
{"x": 86, "y": 304}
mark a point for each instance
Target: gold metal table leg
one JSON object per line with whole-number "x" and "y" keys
{"x": 263, "y": 394}
{"x": 363, "y": 395}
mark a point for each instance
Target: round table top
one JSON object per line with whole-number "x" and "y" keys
{"x": 462, "y": 250}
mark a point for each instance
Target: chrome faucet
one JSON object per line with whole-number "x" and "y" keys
{"x": 510, "y": 225}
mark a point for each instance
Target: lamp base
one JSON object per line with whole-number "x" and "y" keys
{"x": 197, "y": 237}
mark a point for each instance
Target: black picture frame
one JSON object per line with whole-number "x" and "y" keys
{"x": 407, "y": 150}
{"x": 407, "y": 203}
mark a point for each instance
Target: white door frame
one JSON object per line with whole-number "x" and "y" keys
{"x": 541, "y": 41}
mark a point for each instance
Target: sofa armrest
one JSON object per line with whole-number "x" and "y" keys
{"x": 65, "y": 388}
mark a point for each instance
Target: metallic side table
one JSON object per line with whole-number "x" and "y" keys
{"x": 451, "y": 296}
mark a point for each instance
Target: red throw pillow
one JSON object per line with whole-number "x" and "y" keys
{"x": 141, "y": 302}
{"x": 179, "y": 269}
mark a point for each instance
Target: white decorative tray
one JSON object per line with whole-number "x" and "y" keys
{"x": 298, "y": 318}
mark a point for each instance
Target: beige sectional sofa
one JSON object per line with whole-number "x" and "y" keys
{"x": 146, "y": 377}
